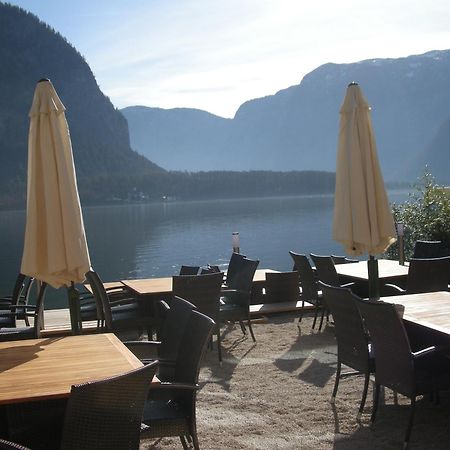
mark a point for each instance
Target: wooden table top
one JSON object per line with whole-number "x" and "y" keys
{"x": 163, "y": 285}
{"x": 386, "y": 269}
{"x": 431, "y": 310}
{"x": 42, "y": 369}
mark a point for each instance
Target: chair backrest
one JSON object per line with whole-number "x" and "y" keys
{"x": 192, "y": 348}
{"x": 326, "y": 272}
{"x": 22, "y": 289}
{"x": 306, "y": 275}
{"x": 428, "y": 275}
{"x": 234, "y": 266}
{"x": 281, "y": 287}
{"x": 203, "y": 291}
{"x": 174, "y": 327}
{"x": 189, "y": 270}
{"x": 428, "y": 249}
{"x": 107, "y": 414}
{"x": 394, "y": 365}
{"x": 101, "y": 298}
{"x": 243, "y": 279}
{"x": 351, "y": 336}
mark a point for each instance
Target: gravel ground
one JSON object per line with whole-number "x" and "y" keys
{"x": 275, "y": 395}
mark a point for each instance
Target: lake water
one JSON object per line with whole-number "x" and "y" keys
{"x": 148, "y": 240}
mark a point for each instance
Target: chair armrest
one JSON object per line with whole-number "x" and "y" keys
{"x": 175, "y": 385}
{"x": 391, "y": 289}
{"x": 347, "y": 285}
{"x": 424, "y": 352}
{"x": 122, "y": 301}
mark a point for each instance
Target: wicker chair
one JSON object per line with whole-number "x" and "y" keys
{"x": 189, "y": 270}
{"x": 353, "y": 344}
{"x": 170, "y": 409}
{"x": 122, "y": 312}
{"x": 235, "y": 298}
{"x": 424, "y": 275}
{"x": 20, "y": 297}
{"x": 234, "y": 266}
{"x": 308, "y": 283}
{"x": 282, "y": 287}
{"x": 104, "y": 414}
{"x": 13, "y": 332}
{"x": 166, "y": 350}
{"x": 204, "y": 292}
{"x": 397, "y": 367}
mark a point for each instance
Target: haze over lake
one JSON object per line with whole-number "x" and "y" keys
{"x": 154, "y": 239}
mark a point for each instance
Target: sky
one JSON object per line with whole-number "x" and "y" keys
{"x": 216, "y": 54}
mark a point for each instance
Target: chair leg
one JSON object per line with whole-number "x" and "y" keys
{"x": 364, "y": 395}
{"x": 376, "y": 398}
{"x": 184, "y": 442}
{"x": 219, "y": 347}
{"x": 251, "y": 329}
{"x": 336, "y": 382}
{"x": 315, "y": 316}
{"x": 321, "y": 319}
{"x": 410, "y": 422}
{"x": 300, "y": 317}
{"x": 244, "y": 331}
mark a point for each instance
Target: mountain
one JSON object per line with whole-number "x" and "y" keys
{"x": 104, "y": 160}
{"x": 196, "y": 135}
{"x": 296, "y": 129}
{"x": 437, "y": 155}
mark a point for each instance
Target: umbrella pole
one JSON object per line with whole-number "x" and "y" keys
{"x": 374, "y": 282}
{"x": 74, "y": 304}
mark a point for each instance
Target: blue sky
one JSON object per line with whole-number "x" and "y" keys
{"x": 215, "y": 55}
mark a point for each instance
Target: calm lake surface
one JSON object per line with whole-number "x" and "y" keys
{"x": 149, "y": 240}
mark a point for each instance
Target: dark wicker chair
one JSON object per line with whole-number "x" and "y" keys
{"x": 234, "y": 266}
{"x": 424, "y": 275}
{"x": 235, "y": 298}
{"x": 121, "y": 313}
{"x": 397, "y": 367}
{"x": 308, "y": 283}
{"x": 104, "y": 414}
{"x": 13, "y": 332}
{"x": 166, "y": 350}
{"x": 281, "y": 287}
{"x": 204, "y": 292}
{"x": 91, "y": 308}
{"x": 171, "y": 405}
{"x": 353, "y": 344}
{"x": 189, "y": 270}
{"x": 20, "y": 297}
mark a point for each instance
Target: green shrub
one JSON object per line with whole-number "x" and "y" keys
{"x": 426, "y": 215}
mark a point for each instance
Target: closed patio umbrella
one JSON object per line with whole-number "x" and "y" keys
{"x": 55, "y": 247}
{"x": 363, "y": 221}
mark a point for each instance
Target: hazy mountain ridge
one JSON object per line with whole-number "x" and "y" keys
{"x": 29, "y": 51}
{"x": 296, "y": 129}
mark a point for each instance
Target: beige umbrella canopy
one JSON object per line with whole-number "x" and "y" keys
{"x": 363, "y": 221}
{"x": 55, "y": 248}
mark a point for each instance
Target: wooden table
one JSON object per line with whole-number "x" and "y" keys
{"x": 430, "y": 310}
{"x": 388, "y": 270}
{"x": 46, "y": 369}
{"x": 163, "y": 286}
